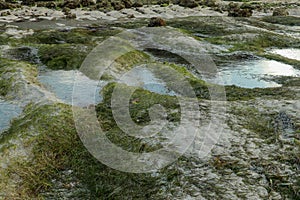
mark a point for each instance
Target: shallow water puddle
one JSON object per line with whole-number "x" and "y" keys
{"x": 144, "y": 78}
{"x": 61, "y": 83}
{"x": 8, "y": 111}
{"x": 254, "y": 73}
{"x": 288, "y": 53}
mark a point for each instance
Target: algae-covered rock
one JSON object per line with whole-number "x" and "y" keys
{"x": 124, "y": 63}
{"x": 210, "y": 3}
{"x": 280, "y": 12}
{"x": 7, "y": 5}
{"x": 156, "y": 21}
{"x": 58, "y": 37}
{"x": 62, "y": 56}
{"x": 23, "y": 53}
{"x": 118, "y": 5}
{"x": 234, "y": 10}
{"x": 284, "y": 20}
{"x": 86, "y": 3}
{"x": 19, "y": 82}
{"x": 188, "y": 3}
{"x": 47, "y": 4}
{"x": 26, "y": 165}
{"x": 4, "y": 5}
{"x": 56, "y": 164}
{"x": 127, "y": 3}
{"x": 86, "y": 36}
{"x": 52, "y": 146}
{"x": 72, "y": 4}
{"x": 28, "y": 2}
{"x": 14, "y": 77}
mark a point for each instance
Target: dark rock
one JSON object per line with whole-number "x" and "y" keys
{"x": 163, "y": 2}
{"x": 50, "y": 4}
{"x": 137, "y": 4}
{"x": 5, "y": 13}
{"x": 188, "y": 3}
{"x": 6, "y": 5}
{"x": 86, "y": 3}
{"x": 127, "y": 3}
{"x": 219, "y": 8}
{"x": 156, "y": 21}
{"x": 118, "y": 5}
{"x": 103, "y": 5}
{"x": 72, "y": 4}
{"x": 234, "y": 10}
{"x": 28, "y": 2}
{"x": 245, "y": 13}
{"x": 71, "y": 16}
{"x": 247, "y": 6}
{"x": 209, "y": 3}
{"x": 130, "y": 16}
{"x": 43, "y": 0}
{"x": 66, "y": 10}
{"x": 24, "y": 53}
{"x": 11, "y": 1}
{"x": 232, "y": 6}
{"x": 280, "y": 12}
{"x": 283, "y": 123}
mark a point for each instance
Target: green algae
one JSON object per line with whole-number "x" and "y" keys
{"x": 257, "y": 122}
{"x": 63, "y": 56}
{"x": 124, "y": 63}
{"x": 263, "y": 41}
{"x": 49, "y": 130}
{"x": 284, "y": 20}
{"x": 279, "y": 58}
{"x": 10, "y": 72}
{"x": 204, "y": 25}
{"x": 140, "y": 101}
{"x": 132, "y": 58}
{"x": 74, "y": 36}
{"x": 50, "y": 133}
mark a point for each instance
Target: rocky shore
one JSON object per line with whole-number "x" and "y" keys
{"x": 129, "y": 11}
{"x": 43, "y": 45}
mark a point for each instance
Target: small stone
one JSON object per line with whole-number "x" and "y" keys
{"x": 137, "y": 4}
{"x": 72, "y": 4}
{"x": 156, "y": 21}
{"x": 28, "y": 2}
{"x": 71, "y": 16}
{"x": 280, "y": 12}
{"x": 130, "y": 16}
{"x": 5, "y": 13}
{"x": 118, "y": 5}
{"x": 262, "y": 192}
{"x": 86, "y": 3}
{"x": 51, "y": 5}
{"x": 275, "y": 196}
{"x": 127, "y": 3}
{"x": 188, "y": 3}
